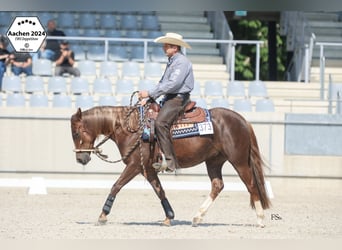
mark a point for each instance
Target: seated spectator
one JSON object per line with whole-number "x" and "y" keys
{"x": 42, "y": 53}
{"x": 52, "y": 45}
{"x": 65, "y": 61}
{"x": 21, "y": 63}
{"x": 4, "y": 57}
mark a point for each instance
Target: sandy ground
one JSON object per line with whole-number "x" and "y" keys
{"x": 302, "y": 209}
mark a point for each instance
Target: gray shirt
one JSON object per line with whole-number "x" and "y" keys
{"x": 178, "y": 77}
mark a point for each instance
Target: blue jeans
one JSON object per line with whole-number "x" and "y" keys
{"x": 2, "y": 72}
{"x": 18, "y": 70}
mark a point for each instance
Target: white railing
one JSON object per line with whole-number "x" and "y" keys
{"x": 146, "y": 41}
{"x": 322, "y": 62}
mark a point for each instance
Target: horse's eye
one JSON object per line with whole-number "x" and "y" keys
{"x": 76, "y": 135}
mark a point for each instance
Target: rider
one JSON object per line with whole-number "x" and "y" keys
{"x": 175, "y": 85}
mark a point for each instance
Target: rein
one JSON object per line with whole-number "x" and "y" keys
{"x": 98, "y": 151}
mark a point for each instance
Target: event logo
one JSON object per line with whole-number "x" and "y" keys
{"x": 26, "y": 34}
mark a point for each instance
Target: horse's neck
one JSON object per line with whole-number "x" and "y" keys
{"x": 104, "y": 120}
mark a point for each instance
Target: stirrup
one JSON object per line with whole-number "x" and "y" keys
{"x": 160, "y": 166}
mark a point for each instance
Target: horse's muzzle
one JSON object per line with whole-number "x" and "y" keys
{"x": 83, "y": 158}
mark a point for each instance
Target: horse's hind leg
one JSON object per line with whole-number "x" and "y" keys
{"x": 214, "y": 168}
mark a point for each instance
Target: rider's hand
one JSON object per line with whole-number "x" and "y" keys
{"x": 143, "y": 101}
{"x": 142, "y": 94}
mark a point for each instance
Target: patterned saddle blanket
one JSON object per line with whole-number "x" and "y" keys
{"x": 194, "y": 122}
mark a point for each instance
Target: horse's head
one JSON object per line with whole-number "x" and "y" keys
{"x": 82, "y": 137}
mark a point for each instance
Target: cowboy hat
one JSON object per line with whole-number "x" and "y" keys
{"x": 172, "y": 38}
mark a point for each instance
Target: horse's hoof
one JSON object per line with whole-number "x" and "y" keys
{"x": 166, "y": 222}
{"x": 102, "y": 221}
{"x": 196, "y": 221}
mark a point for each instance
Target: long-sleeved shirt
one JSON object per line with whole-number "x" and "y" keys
{"x": 178, "y": 77}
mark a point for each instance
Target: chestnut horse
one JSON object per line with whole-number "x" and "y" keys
{"x": 233, "y": 140}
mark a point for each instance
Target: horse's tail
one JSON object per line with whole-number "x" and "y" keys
{"x": 257, "y": 164}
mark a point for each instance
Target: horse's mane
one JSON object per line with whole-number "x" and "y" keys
{"x": 105, "y": 118}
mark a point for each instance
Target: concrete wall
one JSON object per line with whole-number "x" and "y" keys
{"x": 39, "y": 139}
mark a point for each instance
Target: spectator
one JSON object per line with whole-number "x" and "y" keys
{"x": 65, "y": 61}
{"x": 52, "y": 45}
{"x": 41, "y": 53}
{"x": 21, "y": 62}
{"x": 4, "y": 57}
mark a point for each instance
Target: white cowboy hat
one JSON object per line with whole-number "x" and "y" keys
{"x": 172, "y": 38}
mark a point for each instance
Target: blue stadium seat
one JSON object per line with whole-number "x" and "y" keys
{"x": 87, "y": 20}
{"x": 213, "y": 88}
{"x": 15, "y": 100}
{"x": 219, "y": 102}
{"x": 39, "y": 100}
{"x": 242, "y": 105}
{"x": 236, "y": 88}
{"x": 158, "y": 55}
{"x": 42, "y": 67}
{"x": 128, "y": 22}
{"x": 96, "y": 53}
{"x": 11, "y": 83}
{"x": 149, "y": 22}
{"x": 130, "y": 69}
{"x": 57, "y": 84}
{"x": 66, "y": 20}
{"x": 44, "y": 17}
{"x": 34, "y": 84}
{"x": 137, "y": 53}
{"x": 257, "y": 89}
{"x": 102, "y": 86}
{"x": 87, "y": 67}
{"x": 84, "y": 101}
{"x": 200, "y": 102}
{"x": 61, "y": 101}
{"x": 107, "y": 100}
{"x": 152, "y": 70}
{"x": 118, "y": 53}
{"x": 124, "y": 87}
{"x": 145, "y": 84}
{"x": 79, "y": 85}
{"x": 264, "y": 105}
{"x": 108, "y": 21}
{"x": 109, "y": 69}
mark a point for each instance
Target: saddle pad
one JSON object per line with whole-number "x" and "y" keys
{"x": 186, "y": 130}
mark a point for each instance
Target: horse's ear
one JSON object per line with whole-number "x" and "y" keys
{"x": 79, "y": 113}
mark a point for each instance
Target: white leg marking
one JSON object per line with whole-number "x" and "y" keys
{"x": 259, "y": 213}
{"x": 202, "y": 211}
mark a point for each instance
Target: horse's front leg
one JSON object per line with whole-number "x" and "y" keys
{"x": 126, "y": 176}
{"x": 153, "y": 179}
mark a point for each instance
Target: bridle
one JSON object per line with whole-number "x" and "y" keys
{"x": 98, "y": 151}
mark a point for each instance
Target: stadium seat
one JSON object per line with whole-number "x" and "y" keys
{"x": 200, "y": 102}
{"x": 109, "y": 69}
{"x": 134, "y": 34}
{"x": 84, "y": 101}
{"x": 264, "y": 105}
{"x": 39, "y": 100}
{"x": 42, "y": 67}
{"x": 213, "y": 88}
{"x": 15, "y": 100}
{"x": 242, "y": 105}
{"x": 66, "y": 20}
{"x": 44, "y": 17}
{"x": 257, "y": 89}
{"x": 61, "y": 101}
{"x": 196, "y": 91}
{"x": 126, "y": 100}
{"x": 124, "y": 87}
{"x": 11, "y": 83}
{"x": 236, "y": 88}
{"x": 92, "y": 33}
{"x": 137, "y": 53}
{"x": 118, "y": 53}
{"x": 128, "y": 22}
{"x": 34, "y": 84}
{"x": 79, "y": 52}
{"x": 152, "y": 70}
{"x": 79, "y": 85}
{"x": 107, "y": 100}
{"x": 87, "y": 67}
{"x": 158, "y": 55}
{"x": 219, "y": 102}
{"x": 87, "y": 20}
{"x": 130, "y": 69}
{"x": 149, "y": 22}
{"x": 145, "y": 84}
{"x": 102, "y": 86}
{"x": 96, "y": 53}
{"x": 108, "y": 21}
{"x": 57, "y": 85}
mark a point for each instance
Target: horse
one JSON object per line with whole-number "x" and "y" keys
{"x": 233, "y": 140}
